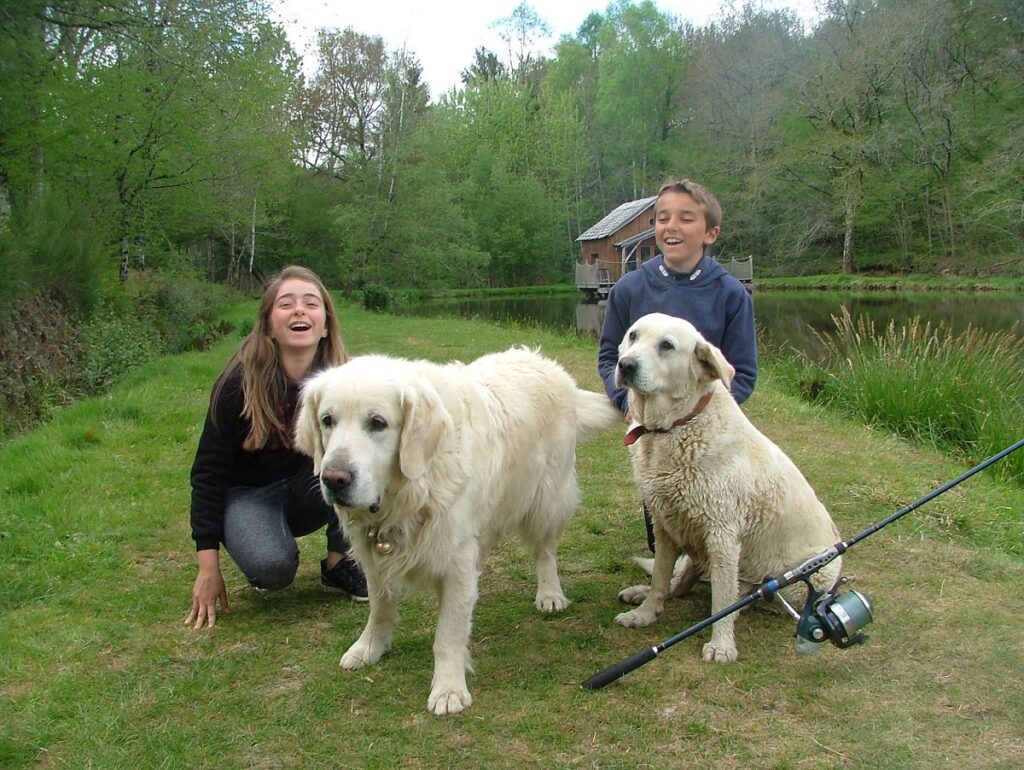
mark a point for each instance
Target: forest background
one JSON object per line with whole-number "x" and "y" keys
{"x": 154, "y": 152}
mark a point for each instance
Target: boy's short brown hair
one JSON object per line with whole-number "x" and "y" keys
{"x": 701, "y": 194}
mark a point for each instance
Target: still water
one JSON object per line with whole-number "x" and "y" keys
{"x": 783, "y": 318}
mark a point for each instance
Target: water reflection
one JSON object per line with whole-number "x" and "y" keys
{"x": 589, "y": 318}
{"x": 783, "y": 318}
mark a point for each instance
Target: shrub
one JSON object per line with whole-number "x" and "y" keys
{"x": 183, "y": 309}
{"x": 47, "y": 358}
{"x": 376, "y": 298}
{"x": 52, "y": 247}
{"x": 37, "y": 351}
{"x": 112, "y": 347}
{"x": 960, "y": 392}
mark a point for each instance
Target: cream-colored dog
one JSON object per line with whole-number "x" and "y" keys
{"x": 719, "y": 491}
{"x": 429, "y": 466}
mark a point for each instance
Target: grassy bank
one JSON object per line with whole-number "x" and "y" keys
{"x": 98, "y": 670}
{"x": 862, "y": 283}
{"x": 960, "y": 392}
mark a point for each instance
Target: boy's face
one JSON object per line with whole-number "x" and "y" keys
{"x": 681, "y": 230}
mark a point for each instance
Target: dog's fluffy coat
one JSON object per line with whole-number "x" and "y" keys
{"x": 440, "y": 462}
{"x": 719, "y": 491}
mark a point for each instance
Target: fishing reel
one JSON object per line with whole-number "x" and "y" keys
{"x": 832, "y": 616}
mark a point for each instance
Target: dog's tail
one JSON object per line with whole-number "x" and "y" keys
{"x": 594, "y": 413}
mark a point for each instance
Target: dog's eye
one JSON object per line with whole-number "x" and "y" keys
{"x": 326, "y": 420}
{"x": 377, "y": 423}
{"x": 632, "y": 336}
{"x": 666, "y": 345}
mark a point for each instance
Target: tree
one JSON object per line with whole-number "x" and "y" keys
{"x": 486, "y": 67}
{"x": 640, "y": 62}
{"x": 345, "y": 102}
{"x": 521, "y": 31}
{"x": 955, "y": 92}
{"x": 137, "y": 103}
{"x": 737, "y": 91}
{"x": 847, "y": 95}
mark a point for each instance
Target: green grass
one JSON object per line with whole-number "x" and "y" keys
{"x": 962, "y": 393}
{"x": 98, "y": 670}
{"x": 860, "y": 283}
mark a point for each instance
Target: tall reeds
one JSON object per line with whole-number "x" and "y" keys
{"x": 962, "y": 392}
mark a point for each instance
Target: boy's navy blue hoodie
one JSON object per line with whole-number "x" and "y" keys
{"x": 709, "y": 298}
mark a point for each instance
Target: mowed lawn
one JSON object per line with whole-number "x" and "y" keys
{"x": 98, "y": 670}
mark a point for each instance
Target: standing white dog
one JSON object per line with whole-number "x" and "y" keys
{"x": 719, "y": 491}
{"x": 429, "y": 466}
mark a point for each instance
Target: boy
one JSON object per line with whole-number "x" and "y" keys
{"x": 683, "y": 281}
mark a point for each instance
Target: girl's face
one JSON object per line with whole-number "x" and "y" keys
{"x": 681, "y": 230}
{"x": 298, "y": 320}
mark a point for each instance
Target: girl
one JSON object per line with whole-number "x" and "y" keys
{"x": 251, "y": 490}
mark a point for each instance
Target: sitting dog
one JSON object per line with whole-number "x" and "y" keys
{"x": 429, "y": 466}
{"x": 719, "y": 491}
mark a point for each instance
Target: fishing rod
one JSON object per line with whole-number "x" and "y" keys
{"x": 827, "y": 615}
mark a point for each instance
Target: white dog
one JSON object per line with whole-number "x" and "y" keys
{"x": 719, "y": 491}
{"x": 429, "y": 466}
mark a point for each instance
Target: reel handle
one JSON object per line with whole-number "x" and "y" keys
{"x": 620, "y": 669}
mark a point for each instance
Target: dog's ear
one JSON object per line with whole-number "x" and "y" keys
{"x": 714, "y": 363}
{"x": 426, "y": 425}
{"x": 308, "y": 438}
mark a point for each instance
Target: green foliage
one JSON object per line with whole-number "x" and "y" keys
{"x": 158, "y": 128}
{"x": 37, "y": 360}
{"x": 182, "y": 309}
{"x": 113, "y": 347}
{"x": 516, "y": 225}
{"x": 640, "y": 66}
{"x": 377, "y": 298}
{"x": 150, "y": 137}
{"x": 50, "y": 356}
{"x": 52, "y": 246}
{"x": 961, "y": 393}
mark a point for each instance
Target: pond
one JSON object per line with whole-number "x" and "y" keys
{"x": 783, "y": 318}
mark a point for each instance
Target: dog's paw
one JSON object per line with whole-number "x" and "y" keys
{"x": 719, "y": 653}
{"x": 551, "y": 602}
{"x": 636, "y": 618}
{"x": 358, "y": 656}
{"x": 446, "y": 699}
{"x": 634, "y": 594}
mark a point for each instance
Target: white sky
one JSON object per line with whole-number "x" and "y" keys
{"x": 443, "y": 34}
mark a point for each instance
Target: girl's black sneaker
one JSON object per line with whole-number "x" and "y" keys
{"x": 345, "y": 576}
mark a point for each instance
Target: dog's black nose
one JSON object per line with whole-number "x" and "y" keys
{"x": 627, "y": 368}
{"x": 336, "y": 480}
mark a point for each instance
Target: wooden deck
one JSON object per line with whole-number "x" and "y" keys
{"x": 597, "y": 280}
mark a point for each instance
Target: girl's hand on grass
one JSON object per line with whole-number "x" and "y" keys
{"x": 206, "y": 594}
{"x": 208, "y": 591}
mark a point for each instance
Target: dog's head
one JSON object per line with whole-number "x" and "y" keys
{"x": 665, "y": 356}
{"x": 369, "y": 425}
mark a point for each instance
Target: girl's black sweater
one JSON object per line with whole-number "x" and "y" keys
{"x": 221, "y": 463}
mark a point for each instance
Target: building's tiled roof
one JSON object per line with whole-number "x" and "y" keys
{"x": 623, "y": 215}
{"x": 635, "y": 239}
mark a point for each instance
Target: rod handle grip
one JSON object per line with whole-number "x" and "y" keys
{"x": 620, "y": 669}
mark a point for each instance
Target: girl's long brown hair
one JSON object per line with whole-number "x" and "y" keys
{"x": 264, "y": 383}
